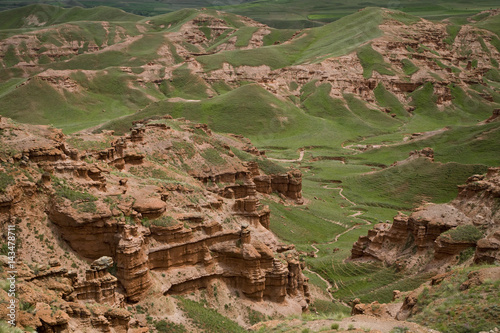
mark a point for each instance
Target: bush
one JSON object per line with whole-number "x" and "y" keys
{"x": 62, "y": 190}
{"x": 163, "y": 327}
{"x": 399, "y": 330}
{"x": 335, "y": 326}
{"x": 464, "y": 233}
{"x": 208, "y": 320}
{"x": 212, "y": 156}
{"x": 255, "y": 317}
{"x": 7, "y": 328}
{"x": 5, "y": 180}
{"x": 164, "y": 221}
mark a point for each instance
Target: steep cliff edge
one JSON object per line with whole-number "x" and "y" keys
{"x": 168, "y": 209}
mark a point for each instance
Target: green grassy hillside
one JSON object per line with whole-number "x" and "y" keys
{"x": 289, "y": 13}
{"x": 335, "y": 39}
{"x": 40, "y": 15}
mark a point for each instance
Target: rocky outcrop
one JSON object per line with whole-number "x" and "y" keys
{"x": 426, "y": 152}
{"x": 132, "y": 263}
{"x": 289, "y": 184}
{"x": 130, "y": 223}
{"x": 91, "y": 234}
{"x": 98, "y": 286}
{"x": 244, "y": 263}
{"x": 423, "y": 232}
{"x": 488, "y": 249}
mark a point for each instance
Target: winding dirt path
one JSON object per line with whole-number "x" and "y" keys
{"x": 340, "y": 193}
{"x": 329, "y": 287}
{"x": 301, "y": 156}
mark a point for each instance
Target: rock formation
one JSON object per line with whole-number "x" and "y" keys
{"x": 472, "y": 220}
{"x": 133, "y": 213}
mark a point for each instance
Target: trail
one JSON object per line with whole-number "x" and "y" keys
{"x": 332, "y": 221}
{"x": 342, "y": 233}
{"x": 329, "y": 287}
{"x": 340, "y": 193}
{"x": 301, "y": 156}
{"x": 406, "y": 139}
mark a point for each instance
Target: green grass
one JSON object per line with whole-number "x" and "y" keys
{"x": 220, "y": 112}
{"x": 183, "y": 147}
{"x": 408, "y": 67}
{"x": 64, "y": 191}
{"x": 386, "y": 99}
{"x": 376, "y": 118}
{"x": 287, "y": 13}
{"x": 244, "y": 35}
{"x": 315, "y": 44}
{"x": 492, "y": 23}
{"x": 464, "y": 233}
{"x": 186, "y": 85}
{"x": 267, "y": 166}
{"x": 329, "y": 307}
{"x": 5, "y": 181}
{"x": 208, "y": 320}
{"x": 460, "y": 144}
{"x": 168, "y": 327}
{"x": 452, "y": 31}
{"x": 367, "y": 281}
{"x": 164, "y": 221}
{"x": 278, "y": 36}
{"x": 371, "y": 61}
{"x": 448, "y": 309}
{"x": 88, "y": 144}
{"x": 7, "y": 328}
{"x": 213, "y": 156}
{"x": 405, "y": 186}
{"x": 107, "y": 95}
{"x": 50, "y": 15}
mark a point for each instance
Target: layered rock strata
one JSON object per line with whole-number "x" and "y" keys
{"x": 131, "y": 214}
{"x": 472, "y": 219}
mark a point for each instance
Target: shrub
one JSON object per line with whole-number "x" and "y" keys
{"x": 208, "y": 320}
{"x": 255, "y": 317}
{"x": 164, "y": 326}
{"x": 212, "y": 156}
{"x": 165, "y": 221}
{"x": 5, "y": 180}
{"x": 7, "y": 328}
{"x": 62, "y": 190}
{"x": 335, "y": 326}
{"x": 464, "y": 233}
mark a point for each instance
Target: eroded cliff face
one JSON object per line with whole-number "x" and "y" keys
{"x": 171, "y": 209}
{"x": 435, "y": 237}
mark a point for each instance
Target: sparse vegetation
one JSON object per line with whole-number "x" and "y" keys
{"x": 64, "y": 191}
{"x": 207, "y": 319}
{"x": 213, "y": 156}
{"x": 448, "y": 309}
{"x": 164, "y": 221}
{"x": 168, "y": 327}
{"x": 5, "y": 180}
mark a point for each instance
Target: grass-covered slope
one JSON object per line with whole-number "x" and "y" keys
{"x": 448, "y": 307}
{"x": 335, "y": 39}
{"x": 291, "y": 13}
{"x": 40, "y": 15}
